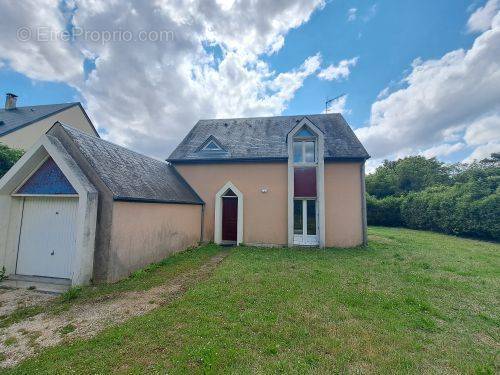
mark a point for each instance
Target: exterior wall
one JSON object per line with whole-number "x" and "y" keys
{"x": 264, "y": 214}
{"x": 343, "y": 204}
{"x": 143, "y": 233}
{"x": 26, "y": 137}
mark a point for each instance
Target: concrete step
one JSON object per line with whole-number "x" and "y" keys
{"x": 42, "y": 284}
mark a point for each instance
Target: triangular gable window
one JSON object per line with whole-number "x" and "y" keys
{"x": 304, "y": 132}
{"x": 212, "y": 146}
{"x": 47, "y": 180}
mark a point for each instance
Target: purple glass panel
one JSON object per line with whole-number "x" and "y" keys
{"x": 48, "y": 179}
{"x": 305, "y": 182}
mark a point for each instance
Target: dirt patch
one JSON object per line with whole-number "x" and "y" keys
{"x": 13, "y": 299}
{"x": 88, "y": 319}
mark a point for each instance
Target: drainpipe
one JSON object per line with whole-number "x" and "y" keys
{"x": 202, "y": 226}
{"x": 363, "y": 204}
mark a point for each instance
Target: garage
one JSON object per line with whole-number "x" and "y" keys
{"x": 76, "y": 209}
{"x": 47, "y": 234}
{"x": 47, "y": 239}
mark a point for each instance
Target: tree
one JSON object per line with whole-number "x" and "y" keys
{"x": 8, "y": 157}
{"x": 413, "y": 173}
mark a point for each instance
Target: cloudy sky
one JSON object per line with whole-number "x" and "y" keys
{"x": 420, "y": 77}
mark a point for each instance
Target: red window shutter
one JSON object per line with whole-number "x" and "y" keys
{"x": 304, "y": 180}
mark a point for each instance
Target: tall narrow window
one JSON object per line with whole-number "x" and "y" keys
{"x": 304, "y": 147}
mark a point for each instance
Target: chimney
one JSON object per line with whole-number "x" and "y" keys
{"x": 10, "y": 101}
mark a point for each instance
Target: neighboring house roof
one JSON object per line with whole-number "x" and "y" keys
{"x": 131, "y": 176}
{"x": 19, "y": 117}
{"x": 264, "y": 139}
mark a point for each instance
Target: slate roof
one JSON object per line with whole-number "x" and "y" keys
{"x": 132, "y": 176}
{"x": 264, "y": 138}
{"x": 17, "y": 118}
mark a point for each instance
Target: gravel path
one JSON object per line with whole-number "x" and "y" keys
{"x": 24, "y": 339}
{"x": 12, "y": 299}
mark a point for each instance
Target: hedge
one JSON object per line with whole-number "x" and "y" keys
{"x": 469, "y": 209}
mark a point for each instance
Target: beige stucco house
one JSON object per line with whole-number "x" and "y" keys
{"x": 20, "y": 127}
{"x": 286, "y": 180}
{"x": 76, "y": 208}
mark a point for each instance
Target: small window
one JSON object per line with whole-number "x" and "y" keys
{"x": 304, "y": 132}
{"x": 304, "y": 151}
{"x": 212, "y": 146}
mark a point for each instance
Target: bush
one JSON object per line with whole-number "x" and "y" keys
{"x": 8, "y": 157}
{"x": 385, "y": 211}
{"x": 470, "y": 209}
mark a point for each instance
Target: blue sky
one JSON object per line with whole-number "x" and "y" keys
{"x": 235, "y": 60}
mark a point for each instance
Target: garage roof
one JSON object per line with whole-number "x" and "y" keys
{"x": 264, "y": 138}
{"x": 132, "y": 176}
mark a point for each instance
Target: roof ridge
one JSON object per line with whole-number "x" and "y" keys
{"x": 269, "y": 117}
{"x": 70, "y": 104}
{"x": 64, "y": 125}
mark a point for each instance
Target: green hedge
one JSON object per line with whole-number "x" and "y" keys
{"x": 385, "y": 211}
{"x": 469, "y": 209}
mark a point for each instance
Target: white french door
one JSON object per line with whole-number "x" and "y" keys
{"x": 305, "y": 222}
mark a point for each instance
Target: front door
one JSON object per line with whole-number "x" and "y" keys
{"x": 305, "y": 231}
{"x": 229, "y": 218}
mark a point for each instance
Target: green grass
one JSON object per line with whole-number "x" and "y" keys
{"x": 410, "y": 302}
{"x": 151, "y": 276}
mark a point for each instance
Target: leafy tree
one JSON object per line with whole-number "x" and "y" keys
{"x": 8, "y": 157}
{"x": 413, "y": 173}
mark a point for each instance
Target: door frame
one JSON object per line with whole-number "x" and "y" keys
{"x": 307, "y": 240}
{"x": 218, "y": 213}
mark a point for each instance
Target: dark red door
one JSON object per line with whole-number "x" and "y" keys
{"x": 229, "y": 219}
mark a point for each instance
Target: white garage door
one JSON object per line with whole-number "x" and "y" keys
{"x": 47, "y": 240}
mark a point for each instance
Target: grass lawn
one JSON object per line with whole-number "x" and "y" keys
{"x": 410, "y": 302}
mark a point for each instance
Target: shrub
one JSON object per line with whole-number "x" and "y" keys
{"x": 385, "y": 211}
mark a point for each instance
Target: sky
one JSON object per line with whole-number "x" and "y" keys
{"x": 417, "y": 77}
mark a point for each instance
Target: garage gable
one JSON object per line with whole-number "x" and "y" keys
{"x": 48, "y": 179}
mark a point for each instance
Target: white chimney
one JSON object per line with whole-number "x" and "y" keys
{"x": 10, "y": 101}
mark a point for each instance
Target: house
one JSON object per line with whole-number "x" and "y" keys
{"x": 286, "y": 180}
{"x": 76, "y": 208}
{"x": 20, "y": 127}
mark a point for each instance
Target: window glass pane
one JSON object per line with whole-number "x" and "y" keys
{"x": 309, "y": 152}
{"x": 297, "y": 152}
{"x": 311, "y": 217}
{"x": 297, "y": 217}
{"x": 304, "y": 132}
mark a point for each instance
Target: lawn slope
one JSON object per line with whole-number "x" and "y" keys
{"x": 410, "y": 302}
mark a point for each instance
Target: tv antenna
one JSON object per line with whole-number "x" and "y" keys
{"x": 328, "y": 101}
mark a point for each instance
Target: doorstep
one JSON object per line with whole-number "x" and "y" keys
{"x": 41, "y": 284}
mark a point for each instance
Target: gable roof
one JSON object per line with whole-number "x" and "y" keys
{"x": 19, "y": 117}
{"x": 131, "y": 176}
{"x": 264, "y": 139}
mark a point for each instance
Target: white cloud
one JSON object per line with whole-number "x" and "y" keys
{"x": 444, "y": 149}
{"x": 443, "y": 98}
{"x": 483, "y": 151}
{"x": 147, "y": 95}
{"x": 480, "y": 20}
{"x": 45, "y": 60}
{"x": 352, "y": 14}
{"x": 336, "y": 72}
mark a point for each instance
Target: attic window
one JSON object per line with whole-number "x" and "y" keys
{"x": 212, "y": 146}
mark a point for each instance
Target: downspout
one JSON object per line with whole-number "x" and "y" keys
{"x": 363, "y": 204}
{"x": 202, "y": 226}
